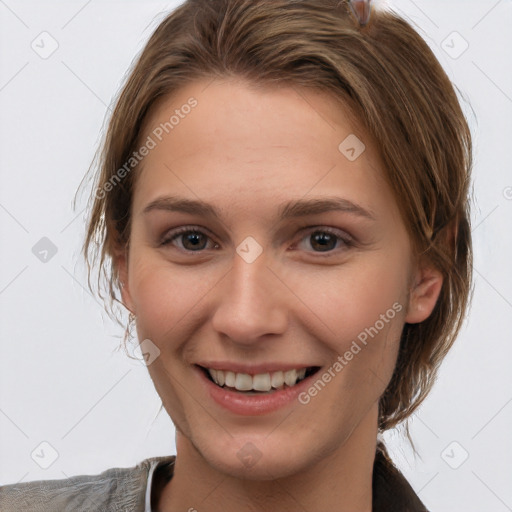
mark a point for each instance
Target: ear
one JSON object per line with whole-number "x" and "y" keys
{"x": 121, "y": 263}
{"x": 423, "y": 295}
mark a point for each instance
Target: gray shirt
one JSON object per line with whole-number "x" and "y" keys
{"x": 114, "y": 490}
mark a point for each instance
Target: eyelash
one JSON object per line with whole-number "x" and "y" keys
{"x": 347, "y": 241}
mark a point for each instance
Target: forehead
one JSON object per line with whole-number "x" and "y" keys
{"x": 229, "y": 141}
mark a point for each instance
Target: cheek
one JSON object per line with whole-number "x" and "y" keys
{"x": 350, "y": 300}
{"x": 358, "y": 310}
{"x": 164, "y": 295}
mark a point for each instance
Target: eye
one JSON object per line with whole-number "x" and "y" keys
{"x": 325, "y": 240}
{"x": 192, "y": 239}
{"x": 320, "y": 239}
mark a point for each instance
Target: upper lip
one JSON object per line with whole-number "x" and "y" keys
{"x": 253, "y": 369}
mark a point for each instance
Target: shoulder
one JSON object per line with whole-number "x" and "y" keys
{"x": 113, "y": 490}
{"x": 391, "y": 491}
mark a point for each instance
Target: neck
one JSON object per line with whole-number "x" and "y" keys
{"x": 341, "y": 481}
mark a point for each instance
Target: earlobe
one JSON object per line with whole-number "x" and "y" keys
{"x": 121, "y": 262}
{"x": 423, "y": 296}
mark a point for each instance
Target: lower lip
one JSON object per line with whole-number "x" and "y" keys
{"x": 253, "y": 405}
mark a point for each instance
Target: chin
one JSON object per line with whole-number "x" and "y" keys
{"x": 260, "y": 458}
{"x": 269, "y": 466}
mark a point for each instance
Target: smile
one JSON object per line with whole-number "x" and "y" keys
{"x": 252, "y": 400}
{"x": 261, "y": 382}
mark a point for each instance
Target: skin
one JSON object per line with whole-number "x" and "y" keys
{"x": 247, "y": 150}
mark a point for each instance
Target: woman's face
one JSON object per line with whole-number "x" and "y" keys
{"x": 305, "y": 263}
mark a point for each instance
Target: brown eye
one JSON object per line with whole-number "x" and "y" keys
{"x": 323, "y": 241}
{"x": 326, "y": 240}
{"x": 191, "y": 240}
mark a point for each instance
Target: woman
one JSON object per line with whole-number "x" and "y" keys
{"x": 282, "y": 207}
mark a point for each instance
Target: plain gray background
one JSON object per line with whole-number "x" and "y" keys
{"x": 63, "y": 381}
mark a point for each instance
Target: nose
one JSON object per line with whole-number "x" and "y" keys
{"x": 251, "y": 302}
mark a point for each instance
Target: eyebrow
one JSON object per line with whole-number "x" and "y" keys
{"x": 292, "y": 209}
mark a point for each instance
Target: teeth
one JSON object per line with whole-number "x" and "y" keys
{"x": 243, "y": 382}
{"x": 229, "y": 378}
{"x": 290, "y": 377}
{"x": 260, "y": 382}
{"x": 277, "y": 379}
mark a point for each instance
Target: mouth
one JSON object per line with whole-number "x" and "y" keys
{"x": 258, "y": 384}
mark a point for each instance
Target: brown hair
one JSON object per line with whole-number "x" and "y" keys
{"x": 393, "y": 84}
